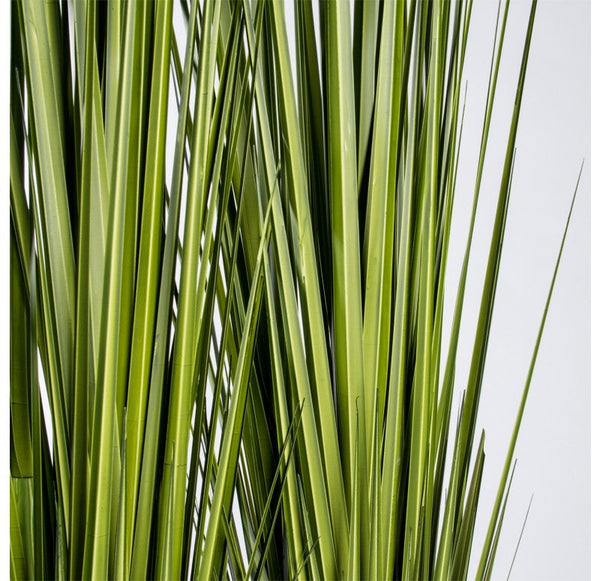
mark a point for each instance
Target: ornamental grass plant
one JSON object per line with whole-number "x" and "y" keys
{"x": 228, "y": 266}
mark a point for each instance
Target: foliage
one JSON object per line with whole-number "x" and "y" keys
{"x": 239, "y": 337}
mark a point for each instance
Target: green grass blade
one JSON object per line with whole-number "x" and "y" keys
{"x": 517, "y": 426}
{"x": 487, "y": 300}
{"x": 146, "y": 294}
{"x": 222, "y": 495}
{"x": 494, "y": 547}
{"x": 139, "y": 559}
{"x": 379, "y": 227}
{"x": 181, "y": 395}
{"x": 347, "y": 303}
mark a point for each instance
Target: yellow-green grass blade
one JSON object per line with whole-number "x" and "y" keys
{"x": 19, "y": 210}
{"x": 394, "y": 441}
{"x": 515, "y": 433}
{"x": 41, "y": 557}
{"x": 112, "y": 73}
{"x": 165, "y": 564}
{"x": 130, "y": 154}
{"x": 351, "y": 399}
{"x": 181, "y": 394}
{"x": 375, "y": 569}
{"x": 353, "y": 566}
{"x": 97, "y": 184}
{"x": 139, "y": 559}
{"x": 343, "y": 195}
{"x": 422, "y": 395}
{"x": 102, "y": 499}
{"x": 120, "y": 566}
{"x": 300, "y": 382}
{"x": 311, "y": 546}
{"x": 381, "y": 193}
{"x": 146, "y": 293}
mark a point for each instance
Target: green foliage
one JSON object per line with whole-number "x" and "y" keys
{"x": 243, "y": 359}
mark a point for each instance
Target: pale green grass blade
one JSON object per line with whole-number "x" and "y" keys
{"x": 41, "y": 557}
{"x": 112, "y": 72}
{"x": 311, "y": 548}
{"x": 129, "y": 155}
{"x": 19, "y": 210}
{"x": 448, "y": 533}
{"x": 376, "y": 540}
{"x": 41, "y": 295}
{"x": 347, "y": 302}
{"x": 165, "y": 563}
{"x": 120, "y": 567}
